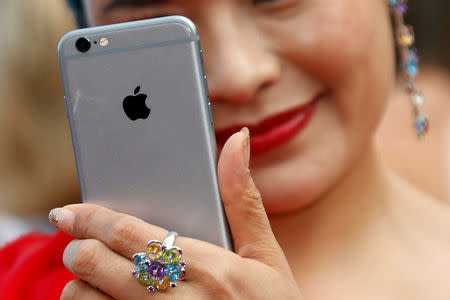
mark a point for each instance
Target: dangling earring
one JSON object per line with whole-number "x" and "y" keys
{"x": 409, "y": 60}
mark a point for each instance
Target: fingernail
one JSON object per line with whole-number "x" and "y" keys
{"x": 70, "y": 252}
{"x": 246, "y": 146}
{"x": 61, "y": 218}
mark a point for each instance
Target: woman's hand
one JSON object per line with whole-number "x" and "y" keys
{"x": 106, "y": 241}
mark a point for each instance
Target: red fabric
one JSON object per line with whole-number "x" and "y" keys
{"x": 31, "y": 267}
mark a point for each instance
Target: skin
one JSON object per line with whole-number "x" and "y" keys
{"x": 345, "y": 223}
{"x": 432, "y": 172}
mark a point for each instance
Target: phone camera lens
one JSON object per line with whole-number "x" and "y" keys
{"x": 83, "y": 44}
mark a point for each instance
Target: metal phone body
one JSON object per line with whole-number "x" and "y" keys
{"x": 161, "y": 169}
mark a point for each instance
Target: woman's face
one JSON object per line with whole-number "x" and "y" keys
{"x": 315, "y": 72}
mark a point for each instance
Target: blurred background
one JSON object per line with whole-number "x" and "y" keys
{"x": 37, "y": 168}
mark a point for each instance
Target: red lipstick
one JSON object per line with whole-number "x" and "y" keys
{"x": 274, "y": 130}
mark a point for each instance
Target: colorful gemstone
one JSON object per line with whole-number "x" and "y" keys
{"x": 173, "y": 272}
{"x": 182, "y": 274}
{"x": 417, "y": 98}
{"x": 392, "y": 2}
{"x": 156, "y": 270}
{"x": 409, "y": 87}
{"x": 170, "y": 257}
{"x": 154, "y": 251}
{"x": 421, "y": 125}
{"x": 145, "y": 278}
{"x": 405, "y": 36}
{"x": 411, "y": 69}
{"x": 401, "y": 8}
{"x": 139, "y": 260}
{"x": 162, "y": 284}
{"x": 412, "y": 56}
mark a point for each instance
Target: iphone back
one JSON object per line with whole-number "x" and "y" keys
{"x": 141, "y": 124}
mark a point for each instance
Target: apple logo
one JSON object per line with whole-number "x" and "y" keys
{"x": 135, "y": 107}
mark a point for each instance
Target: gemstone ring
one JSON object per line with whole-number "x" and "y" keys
{"x": 161, "y": 266}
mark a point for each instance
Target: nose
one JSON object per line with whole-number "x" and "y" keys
{"x": 237, "y": 63}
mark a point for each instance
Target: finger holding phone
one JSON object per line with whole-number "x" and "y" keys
{"x": 106, "y": 240}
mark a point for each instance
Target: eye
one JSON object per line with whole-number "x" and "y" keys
{"x": 275, "y": 5}
{"x": 261, "y": 2}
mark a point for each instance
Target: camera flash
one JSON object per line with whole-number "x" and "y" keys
{"x": 104, "y": 42}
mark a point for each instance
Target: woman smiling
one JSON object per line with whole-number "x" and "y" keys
{"x": 314, "y": 212}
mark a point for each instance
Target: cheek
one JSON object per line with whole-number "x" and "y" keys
{"x": 347, "y": 45}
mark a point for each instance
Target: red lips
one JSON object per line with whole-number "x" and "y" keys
{"x": 274, "y": 130}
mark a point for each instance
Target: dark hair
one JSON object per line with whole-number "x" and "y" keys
{"x": 428, "y": 17}
{"x": 78, "y": 9}
{"x": 431, "y": 24}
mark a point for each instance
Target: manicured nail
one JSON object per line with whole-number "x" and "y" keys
{"x": 70, "y": 252}
{"x": 246, "y": 146}
{"x": 61, "y": 218}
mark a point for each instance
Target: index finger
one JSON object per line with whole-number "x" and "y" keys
{"x": 122, "y": 233}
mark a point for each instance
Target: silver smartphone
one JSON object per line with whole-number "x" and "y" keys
{"x": 141, "y": 124}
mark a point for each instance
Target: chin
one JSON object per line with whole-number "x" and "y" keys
{"x": 285, "y": 190}
{"x": 298, "y": 174}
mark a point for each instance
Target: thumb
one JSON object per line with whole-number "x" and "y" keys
{"x": 250, "y": 227}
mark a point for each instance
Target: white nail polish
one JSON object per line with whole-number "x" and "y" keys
{"x": 53, "y": 215}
